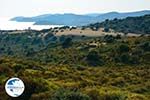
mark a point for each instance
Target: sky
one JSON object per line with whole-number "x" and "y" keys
{"x": 13, "y": 8}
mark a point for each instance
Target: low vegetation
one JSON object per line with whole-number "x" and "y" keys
{"x": 76, "y": 67}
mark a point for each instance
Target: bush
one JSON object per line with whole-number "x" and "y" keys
{"x": 6, "y": 71}
{"x": 94, "y": 94}
{"x": 109, "y": 38}
{"x": 124, "y": 58}
{"x": 62, "y": 38}
{"x": 145, "y": 46}
{"x": 118, "y": 36}
{"x": 137, "y": 97}
{"x": 113, "y": 96}
{"x": 33, "y": 86}
{"x": 146, "y": 58}
{"x": 94, "y": 59}
{"x": 17, "y": 67}
{"x": 106, "y": 29}
{"x": 67, "y": 43}
{"x": 123, "y": 48}
{"x": 66, "y": 94}
{"x": 134, "y": 59}
{"x": 42, "y": 96}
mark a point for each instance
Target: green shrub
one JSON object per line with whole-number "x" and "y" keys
{"x": 106, "y": 29}
{"x": 109, "y": 38}
{"x": 33, "y": 86}
{"x": 125, "y": 58}
{"x": 123, "y": 48}
{"x": 146, "y": 58}
{"x": 113, "y": 96}
{"x": 66, "y": 94}
{"x": 67, "y": 42}
{"x": 137, "y": 97}
{"x": 142, "y": 89}
{"x": 94, "y": 94}
{"x": 17, "y": 67}
{"x": 42, "y": 96}
{"x": 145, "y": 46}
{"x": 5, "y": 70}
{"x": 94, "y": 59}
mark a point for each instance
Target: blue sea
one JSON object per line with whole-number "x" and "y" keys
{"x": 6, "y": 24}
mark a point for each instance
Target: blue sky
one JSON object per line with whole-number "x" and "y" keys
{"x": 11, "y": 8}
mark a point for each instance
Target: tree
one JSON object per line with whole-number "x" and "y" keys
{"x": 62, "y": 38}
{"x": 124, "y": 58}
{"x": 123, "y": 48}
{"x": 106, "y": 29}
{"x": 67, "y": 43}
{"x": 118, "y": 36}
{"x": 109, "y": 38}
{"x": 145, "y": 46}
{"x": 94, "y": 59}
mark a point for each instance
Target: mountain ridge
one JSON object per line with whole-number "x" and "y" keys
{"x": 71, "y": 19}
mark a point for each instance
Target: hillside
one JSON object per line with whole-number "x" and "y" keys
{"x": 75, "y": 19}
{"x": 78, "y": 63}
{"x": 138, "y": 25}
{"x": 80, "y": 68}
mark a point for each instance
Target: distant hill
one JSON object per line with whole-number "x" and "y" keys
{"x": 138, "y": 25}
{"x": 77, "y": 20}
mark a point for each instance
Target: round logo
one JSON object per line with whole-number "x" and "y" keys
{"x": 14, "y": 87}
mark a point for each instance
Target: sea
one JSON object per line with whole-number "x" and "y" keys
{"x": 7, "y": 24}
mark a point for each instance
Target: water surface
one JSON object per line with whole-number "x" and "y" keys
{"x": 6, "y": 24}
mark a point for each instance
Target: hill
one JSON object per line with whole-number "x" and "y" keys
{"x": 76, "y": 68}
{"x": 138, "y": 25}
{"x": 76, "y": 20}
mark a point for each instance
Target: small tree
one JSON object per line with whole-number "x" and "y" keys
{"x": 109, "y": 38}
{"x": 62, "y": 38}
{"x": 106, "y": 29}
{"x": 123, "y": 48}
{"x": 67, "y": 43}
{"x": 118, "y": 36}
{"x": 145, "y": 46}
{"x": 125, "y": 58}
{"x": 94, "y": 59}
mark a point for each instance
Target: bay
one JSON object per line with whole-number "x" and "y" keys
{"x": 6, "y": 24}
